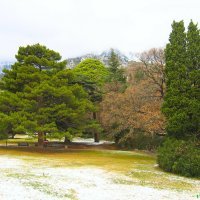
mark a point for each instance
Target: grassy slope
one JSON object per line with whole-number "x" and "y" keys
{"x": 137, "y": 166}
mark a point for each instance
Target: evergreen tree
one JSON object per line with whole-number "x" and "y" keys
{"x": 113, "y": 61}
{"x": 116, "y": 72}
{"x": 92, "y": 74}
{"x": 193, "y": 58}
{"x": 193, "y": 54}
{"x": 180, "y": 108}
{"x": 38, "y": 96}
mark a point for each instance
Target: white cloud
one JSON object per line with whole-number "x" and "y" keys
{"x": 75, "y": 27}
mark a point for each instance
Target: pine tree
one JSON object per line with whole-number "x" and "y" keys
{"x": 113, "y": 61}
{"x": 116, "y": 72}
{"x": 38, "y": 95}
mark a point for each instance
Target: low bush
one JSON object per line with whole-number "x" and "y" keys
{"x": 141, "y": 141}
{"x": 3, "y": 136}
{"x": 180, "y": 157}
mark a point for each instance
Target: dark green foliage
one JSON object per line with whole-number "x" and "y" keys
{"x": 179, "y": 156}
{"x": 94, "y": 91}
{"x": 166, "y": 154}
{"x": 182, "y": 100}
{"x": 139, "y": 75}
{"x": 140, "y": 141}
{"x": 116, "y": 72}
{"x": 113, "y": 62}
{"x": 4, "y": 127}
{"x": 38, "y": 95}
{"x": 40, "y": 57}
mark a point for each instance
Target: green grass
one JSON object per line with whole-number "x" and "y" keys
{"x": 22, "y": 138}
{"x": 72, "y": 194}
{"x": 18, "y": 139}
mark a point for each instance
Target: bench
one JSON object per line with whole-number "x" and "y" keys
{"x": 23, "y": 144}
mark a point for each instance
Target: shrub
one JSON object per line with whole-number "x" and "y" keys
{"x": 180, "y": 157}
{"x": 3, "y": 136}
{"x": 141, "y": 141}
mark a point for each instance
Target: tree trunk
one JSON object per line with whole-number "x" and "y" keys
{"x": 40, "y": 139}
{"x": 13, "y": 136}
{"x": 67, "y": 141}
{"x": 96, "y": 137}
{"x": 45, "y": 136}
{"x": 96, "y": 134}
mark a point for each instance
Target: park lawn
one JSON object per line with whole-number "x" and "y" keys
{"x": 133, "y": 167}
{"x": 22, "y": 138}
{"x": 18, "y": 138}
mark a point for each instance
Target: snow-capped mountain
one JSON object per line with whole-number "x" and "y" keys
{"x": 72, "y": 62}
{"x": 5, "y": 65}
{"x": 103, "y": 57}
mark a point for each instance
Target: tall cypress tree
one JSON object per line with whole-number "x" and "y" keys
{"x": 180, "y": 108}
{"x": 193, "y": 67}
{"x": 193, "y": 54}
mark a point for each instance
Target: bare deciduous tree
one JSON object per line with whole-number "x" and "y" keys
{"x": 154, "y": 64}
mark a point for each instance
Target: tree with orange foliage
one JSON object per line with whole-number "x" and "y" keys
{"x": 136, "y": 112}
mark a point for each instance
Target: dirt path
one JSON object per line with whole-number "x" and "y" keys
{"x": 20, "y": 180}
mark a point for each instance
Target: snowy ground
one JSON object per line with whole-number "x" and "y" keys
{"x": 90, "y": 141}
{"x": 22, "y": 181}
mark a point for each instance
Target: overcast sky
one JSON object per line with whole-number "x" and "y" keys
{"x": 76, "y": 27}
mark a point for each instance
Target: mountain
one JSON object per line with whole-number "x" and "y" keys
{"x": 103, "y": 57}
{"x": 4, "y": 65}
{"x": 72, "y": 62}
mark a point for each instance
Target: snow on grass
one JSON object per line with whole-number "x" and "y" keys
{"x": 37, "y": 179}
